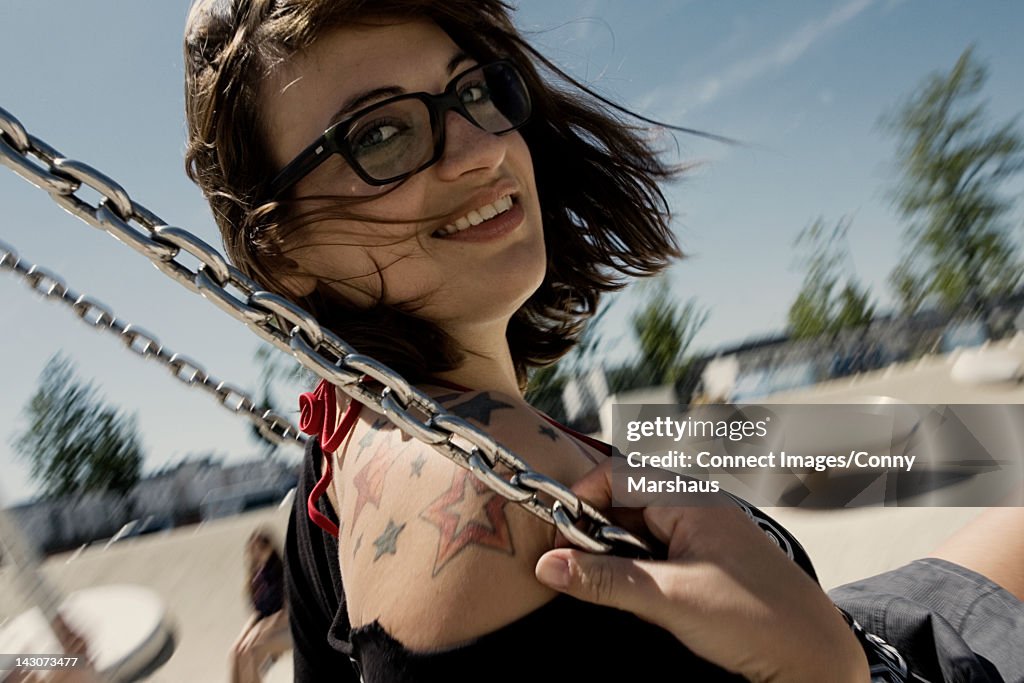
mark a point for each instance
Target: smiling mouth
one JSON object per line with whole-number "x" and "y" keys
{"x": 477, "y": 216}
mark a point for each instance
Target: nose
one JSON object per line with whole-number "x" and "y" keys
{"x": 468, "y": 148}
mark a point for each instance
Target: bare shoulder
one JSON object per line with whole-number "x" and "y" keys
{"x": 428, "y": 549}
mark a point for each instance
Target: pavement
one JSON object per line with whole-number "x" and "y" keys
{"x": 198, "y": 571}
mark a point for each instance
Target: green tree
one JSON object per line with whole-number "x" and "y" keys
{"x": 546, "y": 384}
{"x": 953, "y": 165}
{"x": 75, "y": 441}
{"x": 665, "y": 329}
{"x": 544, "y": 391}
{"x": 855, "y": 308}
{"x": 830, "y": 298}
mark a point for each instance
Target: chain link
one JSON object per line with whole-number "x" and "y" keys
{"x": 275, "y": 428}
{"x": 295, "y": 331}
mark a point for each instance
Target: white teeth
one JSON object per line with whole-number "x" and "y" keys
{"x": 477, "y": 216}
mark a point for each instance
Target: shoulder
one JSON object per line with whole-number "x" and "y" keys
{"x": 428, "y": 549}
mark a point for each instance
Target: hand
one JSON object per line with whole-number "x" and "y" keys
{"x": 725, "y": 591}
{"x": 258, "y": 632}
{"x": 252, "y": 633}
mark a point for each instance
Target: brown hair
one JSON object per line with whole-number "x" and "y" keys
{"x": 253, "y": 565}
{"x": 605, "y": 218}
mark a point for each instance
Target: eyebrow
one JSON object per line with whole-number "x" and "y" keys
{"x": 358, "y": 101}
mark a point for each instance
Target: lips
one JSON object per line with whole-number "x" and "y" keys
{"x": 477, "y": 216}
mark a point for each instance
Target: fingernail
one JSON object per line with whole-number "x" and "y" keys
{"x": 553, "y": 572}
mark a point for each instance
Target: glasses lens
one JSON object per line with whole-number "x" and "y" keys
{"x": 392, "y": 140}
{"x": 397, "y": 139}
{"x": 495, "y": 96}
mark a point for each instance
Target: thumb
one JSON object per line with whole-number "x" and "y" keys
{"x": 602, "y": 579}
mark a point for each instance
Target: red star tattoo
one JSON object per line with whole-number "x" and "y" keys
{"x": 369, "y": 481}
{"x": 468, "y": 513}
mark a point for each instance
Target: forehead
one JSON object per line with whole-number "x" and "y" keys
{"x": 298, "y": 99}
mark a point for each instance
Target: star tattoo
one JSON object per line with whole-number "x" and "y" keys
{"x": 385, "y": 543}
{"x": 355, "y": 548}
{"x": 367, "y": 439}
{"x": 468, "y": 513}
{"x": 370, "y": 435}
{"x": 549, "y": 432}
{"x": 369, "y": 481}
{"x": 417, "y": 465}
{"x": 479, "y": 408}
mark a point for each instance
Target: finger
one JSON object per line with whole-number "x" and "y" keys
{"x": 604, "y": 580}
{"x": 595, "y": 489}
{"x": 596, "y": 486}
{"x": 667, "y": 524}
{"x": 678, "y": 527}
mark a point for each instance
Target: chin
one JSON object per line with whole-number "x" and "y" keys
{"x": 507, "y": 294}
{"x": 526, "y": 275}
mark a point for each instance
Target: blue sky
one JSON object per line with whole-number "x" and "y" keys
{"x": 803, "y": 82}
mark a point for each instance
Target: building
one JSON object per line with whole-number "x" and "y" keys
{"x": 172, "y": 497}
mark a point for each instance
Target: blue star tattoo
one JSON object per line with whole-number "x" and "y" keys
{"x": 386, "y": 542}
{"x": 368, "y": 437}
{"x": 417, "y": 465}
{"x": 479, "y": 408}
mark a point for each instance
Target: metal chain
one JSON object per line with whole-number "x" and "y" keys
{"x": 271, "y": 426}
{"x": 294, "y": 330}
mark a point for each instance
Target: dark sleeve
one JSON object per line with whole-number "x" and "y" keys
{"x": 313, "y": 587}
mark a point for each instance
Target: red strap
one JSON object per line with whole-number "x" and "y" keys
{"x": 318, "y": 409}
{"x": 315, "y": 515}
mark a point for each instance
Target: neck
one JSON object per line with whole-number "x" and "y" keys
{"x": 487, "y": 363}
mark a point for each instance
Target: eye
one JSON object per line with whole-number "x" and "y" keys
{"x": 473, "y": 93}
{"x": 373, "y": 134}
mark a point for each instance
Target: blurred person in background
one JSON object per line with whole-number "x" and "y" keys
{"x": 265, "y": 635}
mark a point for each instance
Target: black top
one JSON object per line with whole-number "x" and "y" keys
{"x": 563, "y": 640}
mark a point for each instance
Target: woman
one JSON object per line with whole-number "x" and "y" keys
{"x": 265, "y": 635}
{"x": 405, "y": 172}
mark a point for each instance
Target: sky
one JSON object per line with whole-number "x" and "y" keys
{"x": 803, "y": 83}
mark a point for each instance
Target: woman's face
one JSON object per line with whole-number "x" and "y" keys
{"x": 477, "y": 276}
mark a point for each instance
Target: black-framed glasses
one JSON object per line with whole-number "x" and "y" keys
{"x": 397, "y": 137}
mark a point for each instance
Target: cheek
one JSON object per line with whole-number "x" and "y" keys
{"x": 334, "y": 178}
{"x": 356, "y": 260}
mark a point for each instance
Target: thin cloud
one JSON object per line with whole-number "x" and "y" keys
{"x": 751, "y": 68}
{"x": 584, "y": 26}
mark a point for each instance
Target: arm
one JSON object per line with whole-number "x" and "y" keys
{"x": 427, "y": 549}
{"x": 269, "y": 628}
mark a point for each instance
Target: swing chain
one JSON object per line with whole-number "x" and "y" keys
{"x": 271, "y": 426}
{"x": 293, "y": 330}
